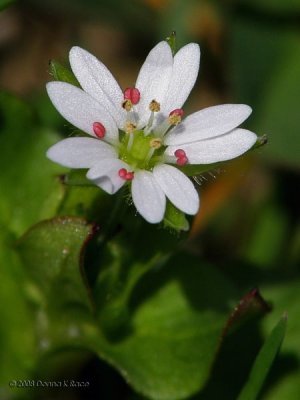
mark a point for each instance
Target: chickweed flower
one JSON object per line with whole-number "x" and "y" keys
{"x": 140, "y": 136}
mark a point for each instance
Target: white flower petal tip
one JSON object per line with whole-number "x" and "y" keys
{"x": 80, "y": 152}
{"x": 217, "y": 149}
{"x": 184, "y": 75}
{"x": 178, "y": 188}
{"x": 208, "y": 123}
{"x": 98, "y": 82}
{"x": 153, "y": 79}
{"x": 80, "y": 109}
{"x": 148, "y": 197}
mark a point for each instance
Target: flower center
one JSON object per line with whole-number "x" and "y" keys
{"x": 139, "y": 151}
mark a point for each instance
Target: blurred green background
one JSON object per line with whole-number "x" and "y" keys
{"x": 248, "y": 224}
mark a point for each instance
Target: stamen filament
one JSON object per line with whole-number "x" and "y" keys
{"x": 130, "y": 141}
{"x": 148, "y": 129}
{"x": 150, "y": 154}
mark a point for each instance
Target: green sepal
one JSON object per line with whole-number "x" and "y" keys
{"x": 197, "y": 169}
{"x": 171, "y": 40}
{"x": 175, "y": 218}
{"x": 261, "y": 141}
{"x": 61, "y": 73}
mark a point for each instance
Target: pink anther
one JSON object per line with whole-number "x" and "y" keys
{"x": 181, "y": 157}
{"x": 99, "y": 130}
{"x": 179, "y": 153}
{"x": 178, "y": 112}
{"x": 132, "y": 94}
{"x": 182, "y": 160}
{"x": 124, "y": 174}
{"x": 129, "y": 176}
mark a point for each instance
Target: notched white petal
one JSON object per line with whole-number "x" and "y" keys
{"x": 95, "y": 78}
{"x": 184, "y": 74}
{"x": 105, "y": 174}
{"x": 80, "y": 109}
{"x": 148, "y": 197}
{"x": 220, "y": 148}
{"x": 79, "y": 152}
{"x": 153, "y": 79}
{"x": 208, "y": 123}
{"x": 177, "y": 187}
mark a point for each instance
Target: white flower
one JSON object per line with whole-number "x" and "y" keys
{"x": 137, "y": 135}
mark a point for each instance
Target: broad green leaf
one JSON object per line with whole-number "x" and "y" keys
{"x": 177, "y": 315}
{"x": 28, "y": 177}
{"x": 17, "y": 342}
{"x": 264, "y": 362}
{"x": 174, "y": 315}
{"x": 61, "y": 73}
{"x": 51, "y": 252}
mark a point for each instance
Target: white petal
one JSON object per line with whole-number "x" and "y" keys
{"x": 177, "y": 187}
{"x": 105, "y": 174}
{"x": 148, "y": 197}
{"x": 79, "y": 152}
{"x": 153, "y": 79}
{"x": 220, "y": 148}
{"x": 209, "y": 122}
{"x": 184, "y": 75}
{"x": 97, "y": 80}
{"x": 80, "y": 109}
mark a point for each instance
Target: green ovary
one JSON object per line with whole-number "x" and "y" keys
{"x": 137, "y": 155}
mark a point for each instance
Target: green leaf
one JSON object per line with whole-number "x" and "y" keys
{"x": 51, "y": 252}
{"x": 178, "y": 312}
{"x": 264, "y": 362}
{"x": 31, "y": 189}
{"x": 61, "y": 73}
{"x": 18, "y": 348}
